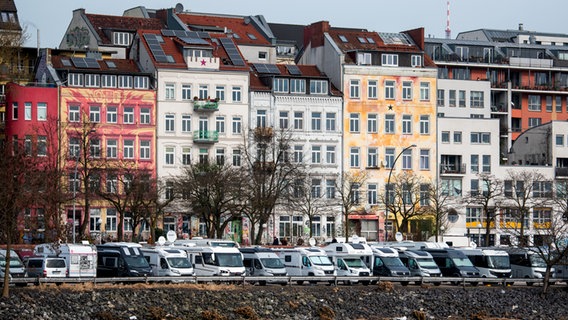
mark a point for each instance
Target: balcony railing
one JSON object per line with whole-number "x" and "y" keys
{"x": 205, "y": 105}
{"x": 205, "y": 136}
{"x": 452, "y": 168}
{"x": 561, "y": 172}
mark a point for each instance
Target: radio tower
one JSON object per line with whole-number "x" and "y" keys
{"x": 448, "y": 30}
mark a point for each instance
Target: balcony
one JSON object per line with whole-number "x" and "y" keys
{"x": 205, "y": 136}
{"x": 561, "y": 173}
{"x": 452, "y": 168}
{"x": 206, "y": 105}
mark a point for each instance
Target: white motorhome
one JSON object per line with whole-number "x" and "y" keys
{"x": 310, "y": 262}
{"x": 263, "y": 262}
{"x": 216, "y": 261}
{"x": 81, "y": 259}
{"x": 17, "y": 269}
{"x": 527, "y": 263}
{"x": 199, "y": 242}
{"x": 168, "y": 262}
{"x": 419, "y": 263}
{"x": 350, "y": 259}
{"x": 490, "y": 263}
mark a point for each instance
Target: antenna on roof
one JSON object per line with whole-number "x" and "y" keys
{"x": 448, "y": 30}
{"x": 179, "y": 8}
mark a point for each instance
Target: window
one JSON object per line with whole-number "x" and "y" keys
{"x": 353, "y": 122}
{"x": 476, "y": 99}
{"x": 236, "y": 94}
{"x": 424, "y": 91}
{"x": 169, "y": 155}
{"x": 316, "y": 121}
{"x": 74, "y": 113}
{"x": 542, "y": 189}
{"x": 548, "y": 103}
{"x": 283, "y": 119}
{"x": 41, "y": 111}
{"x": 108, "y": 81}
{"x": 534, "y": 103}
{"x": 76, "y": 80}
{"x": 203, "y": 92}
{"x": 354, "y": 89}
{"x": 354, "y": 194}
{"x": 452, "y": 99}
{"x": 372, "y": 194}
{"x": 389, "y": 157}
{"x": 318, "y": 87}
{"x": 457, "y": 137}
{"x": 94, "y": 217}
{"x": 440, "y": 102}
{"x": 236, "y": 157}
{"x": 452, "y": 187}
{"x": 372, "y": 157}
{"x": 95, "y": 114}
{"x": 220, "y": 124}
{"x": 416, "y": 61}
{"x": 481, "y": 137}
{"x": 461, "y": 99}
{"x": 281, "y": 85}
{"x": 28, "y": 145}
{"x": 28, "y": 111}
{"x": 186, "y": 155}
{"x": 542, "y": 217}
{"x": 220, "y": 93}
{"x": 407, "y": 159}
{"x": 169, "y": 194}
{"x": 390, "y": 91}
{"x": 424, "y": 159}
{"x": 474, "y": 167}
{"x": 330, "y": 154}
{"x": 316, "y": 154}
{"x": 110, "y": 225}
{"x": 220, "y": 156}
{"x": 486, "y": 163}
{"x": 141, "y": 82}
{"x": 330, "y": 119}
{"x": 445, "y": 137}
{"x": 261, "y": 118}
{"x": 364, "y": 58}
{"x": 128, "y": 115}
{"x": 170, "y": 122}
{"x": 111, "y": 149}
{"x": 298, "y": 120}
{"x": 128, "y": 152}
{"x": 186, "y": 123}
{"x": 145, "y": 149}
{"x": 144, "y": 115}
{"x": 390, "y": 60}
{"x": 170, "y": 91}
{"x": 15, "y": 112}
{"x": 473, "y": 216}
{"x": 389, "y": 123}
{"x": 121, "y": 38}
{"x": 316, "y": 188}
{"x": 534, "y": 122}
{"x": 95, "y": 148}
{"x": 125, "y": 82}
{"x": 424, "y": 194}
{"x": 297, "y": 86}
{"x": 298, "y": 153}
{"x": 560, "y": 140}
{"x": 372, "y": 126}
{"x": 424, "y": 124}
{"x": 203, "y": 156}
{"x": 112, "y": 114}
{"x": 372, "y": 89}
{"x": 186, "y": 92}
{"x": 406, "y": 124}
{"x": 407, "y": 90}
{"x": 354, "y": 157}
{"x": 261, "y": 54}
{"x": 330, "y": 188}
{"x": 237, "y": 125}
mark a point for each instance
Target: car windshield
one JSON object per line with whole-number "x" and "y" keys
{"x": 14, "y": 263}
{"x": 229, "y": 259}
{"x": 499, "y": 262}
{"x": 179, "y": 262}
{"x": 136, "y": 261}
{"x": 537, "y": 261}
{"x": 392, "y": 262}
{"x": 354, "y": 263}
{"x": 427, "y": 263}
{"x": 273, "y": 263}
{"x": 321, "y": 260}
{"x": 462, "y": 262}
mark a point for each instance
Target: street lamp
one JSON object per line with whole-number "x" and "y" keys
{"x": 388, "y": 184}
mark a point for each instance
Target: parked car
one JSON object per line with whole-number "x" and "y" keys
{"x": 46, "y": 267}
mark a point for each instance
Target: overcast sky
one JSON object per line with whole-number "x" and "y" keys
{"x": 53, "y": 16}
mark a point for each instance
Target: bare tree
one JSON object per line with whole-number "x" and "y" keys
{"x": 154, "y": 203}
{"x": 212, "y": 192}
{"x": 487, "y": 196}
{"x": 438, "y": 206}
{"x": 402, "y": 199}
{"x": 348, "y": 192}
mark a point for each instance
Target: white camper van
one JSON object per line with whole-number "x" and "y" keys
{"x": 491, "y": 263}
{"x": 81, "y": 259}
{"x": 349, "y": 259}
{"x": 168, "y": 262}
{"x": 216, "y": 261}
{"x": 16, "y": 266}
{"x": 200, "y": 242}
{"x": 263, "y": 262}
{"x": 310, "y": 262}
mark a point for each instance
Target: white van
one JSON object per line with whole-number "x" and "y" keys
{"x": 526, "y": 263}
{"x": 263, "y": 262}
{"x": 81, "y": 259}
{"x": 310, "y": 262}
{"x": 46, "y": 267}
{"x": 216, "y": 261}
{"x": 168, "y": 262}
{"x": 200, "y": 242}
{"x": 17, "y": 269}
{"x": 349, "y": 259}
{"x": 420, "y": 264}
{"x": 490, "y": 263}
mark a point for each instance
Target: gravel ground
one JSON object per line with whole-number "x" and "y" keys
{"x": 216, "y": 302}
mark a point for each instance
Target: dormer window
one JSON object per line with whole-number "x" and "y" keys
{"x": 389, "y": 60}
{"x": 416, "y": 61}
{"x": 364, "y": 58}
{"x": 121, "y": 38}
{"x": 198, "y": 53}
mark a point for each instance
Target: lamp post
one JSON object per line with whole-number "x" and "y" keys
{"x": 388, "y": 184}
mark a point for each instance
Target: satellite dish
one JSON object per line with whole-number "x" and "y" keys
{"x": 161, "y": 240}
{"x": 312, "y": 242}
{"x": 473, "y": 244}
{"x": 179, "y": 8}
{"x": 398, "y": 236}
{"x": 171, "y": 236}
{"x": 355, "y": 239}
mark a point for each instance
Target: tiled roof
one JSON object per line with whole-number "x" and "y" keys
{"x": 238, "y": 25}
{"x": 121, "y": 65}
{"x": 105, "y": 22}
{"x": 306, "y": 71}
{"x": 352, "y": 40}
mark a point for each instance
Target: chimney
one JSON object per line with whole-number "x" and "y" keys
{"x": 521, "y": 27}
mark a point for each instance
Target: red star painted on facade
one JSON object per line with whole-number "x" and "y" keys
{"x": 203, "y": 62}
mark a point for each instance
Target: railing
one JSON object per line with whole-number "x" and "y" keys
{"x": 450, "y": 168}
{"x": 205, "y": 136}
{"x": 205, "y": 105}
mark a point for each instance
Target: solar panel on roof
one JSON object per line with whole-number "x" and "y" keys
{"x": 111, "y": 64}
{"x": 79, "y": 62}
{"x": 232, "y": 52}
{"x": 156, "y": 48}
{"x": 66, "y": 62}
{"x": 272, "y": 68}
{"x": 87, "y": 63}
{"x": 168, "y": 33}
{"x": 189, "y": 40}
{"x": 264, "y": 68}
{"x": 204, "y": 35}
{"x": 293, "y": 69}
{"x": 92, "y": 63}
